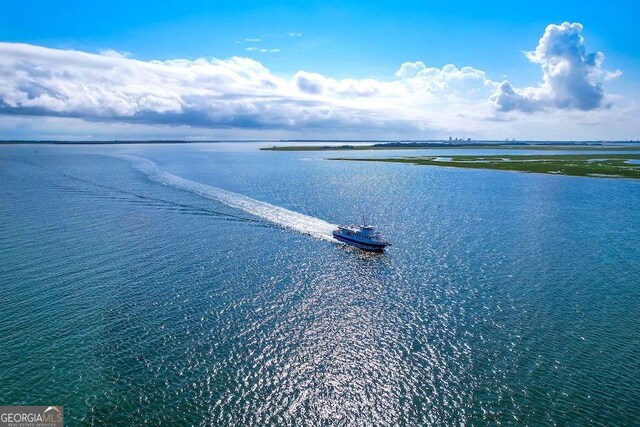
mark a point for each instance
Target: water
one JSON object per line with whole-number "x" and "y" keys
{"x": 196, "y": 285}
{"x": 273, "y": 214}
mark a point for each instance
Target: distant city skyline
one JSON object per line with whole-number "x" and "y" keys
{"x": 378, "y": 70}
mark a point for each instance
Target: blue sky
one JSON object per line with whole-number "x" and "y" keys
{"x": 337, "y": 40}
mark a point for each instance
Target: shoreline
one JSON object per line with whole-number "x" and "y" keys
{"x": 613, "y": 166}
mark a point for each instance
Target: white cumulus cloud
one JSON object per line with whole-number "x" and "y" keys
{"x": 572, "y": 78}
{"x": 450, "y": 82}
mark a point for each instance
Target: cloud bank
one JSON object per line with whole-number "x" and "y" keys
{"x": 241, "y": 93}
{"x": 236, "y": 92}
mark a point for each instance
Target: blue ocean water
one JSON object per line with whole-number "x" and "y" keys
{"x": 196, "y": 284}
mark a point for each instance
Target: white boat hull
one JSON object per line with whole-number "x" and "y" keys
{"x": 364, "y": 245}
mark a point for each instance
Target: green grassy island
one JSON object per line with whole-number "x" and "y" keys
{"x": 421, "y": 145}
{"x": 592, "y": 165}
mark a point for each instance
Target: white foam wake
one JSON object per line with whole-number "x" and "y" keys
{"x": 293, "y": 220}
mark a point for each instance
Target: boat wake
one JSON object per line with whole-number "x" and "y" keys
{"x": 280, "y": 216}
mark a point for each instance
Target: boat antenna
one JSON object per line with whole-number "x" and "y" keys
{"x": 364, "y": 222}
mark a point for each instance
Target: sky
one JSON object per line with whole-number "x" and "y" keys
{"x": 319, "y": 70}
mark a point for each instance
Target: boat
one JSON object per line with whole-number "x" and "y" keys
{"x": 363, "y": 237}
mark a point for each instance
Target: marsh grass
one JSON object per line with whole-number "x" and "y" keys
{"x": 594, "y": 165}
